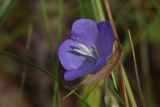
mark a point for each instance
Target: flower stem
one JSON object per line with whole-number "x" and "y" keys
{"x": 129, "y": 90}
{"x": 122, "y": 85}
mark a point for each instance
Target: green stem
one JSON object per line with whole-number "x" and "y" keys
{"x": 47, "y": 26}
{"x": 129, "y": 90}
{"x": 98, "y": 10}
{"x": 56, "y": 97}
{"x": 23, "y": 79}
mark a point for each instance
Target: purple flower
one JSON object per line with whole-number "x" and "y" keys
{"x": 88, "y": 49}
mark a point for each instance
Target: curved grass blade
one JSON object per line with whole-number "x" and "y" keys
{"x": 29, "y": 63}
{"x": 21, "y": 59}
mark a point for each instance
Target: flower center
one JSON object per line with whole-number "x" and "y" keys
{"x": 89, "y": 52}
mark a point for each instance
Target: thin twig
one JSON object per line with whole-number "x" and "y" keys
{"x": 111, "y": 18}
{"x": 136, "y": 72}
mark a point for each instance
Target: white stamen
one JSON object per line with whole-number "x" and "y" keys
{"x": 81, "y": 52}
{"x": 84, "y": 50}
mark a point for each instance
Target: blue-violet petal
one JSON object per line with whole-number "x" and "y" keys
{"x": 82, "y": 71}
{"x": 68, "y": 58}
{"x": 85, "y": 31}
{"x": 105, "y": 39}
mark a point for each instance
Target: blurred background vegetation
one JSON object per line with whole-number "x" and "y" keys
{"x": 33, "y": 30}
